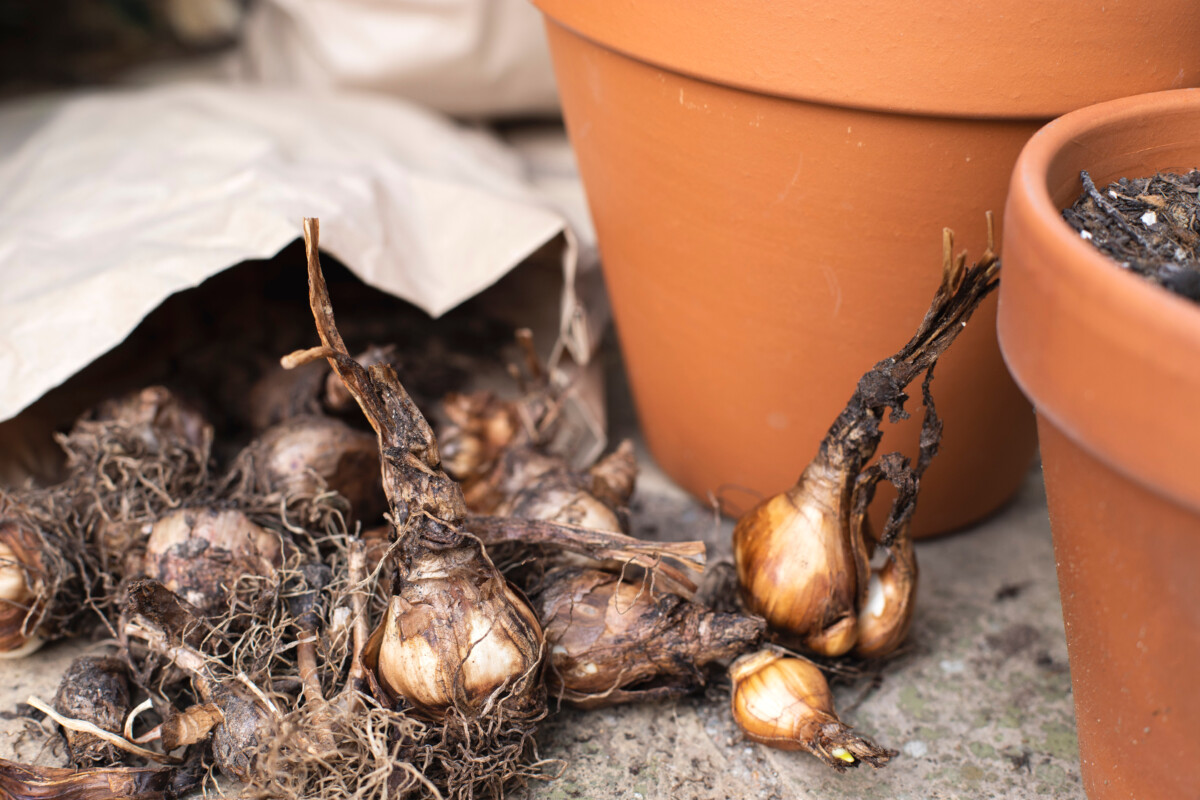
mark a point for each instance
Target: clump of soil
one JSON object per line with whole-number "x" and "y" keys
{"x": 1150, "y": 226}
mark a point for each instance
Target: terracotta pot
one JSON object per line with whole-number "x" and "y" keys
{"x": 1109, "y": 361}
{"x": 769, "y": 182}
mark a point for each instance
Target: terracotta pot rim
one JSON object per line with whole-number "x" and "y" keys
{"x": 1011, "y": 60}
{"x": 1154, "y": 304}
{"x": 1133, "y": 331}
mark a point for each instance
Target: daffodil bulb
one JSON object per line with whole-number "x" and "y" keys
{"x": 455, "y": 634}
{"x": 785, "y": 702}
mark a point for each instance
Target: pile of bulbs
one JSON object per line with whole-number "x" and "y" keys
{"x": 258, "y": 626}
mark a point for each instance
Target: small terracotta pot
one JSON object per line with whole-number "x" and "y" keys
{"x": 1110, "y": 363}
{"x": 769, "y": 183}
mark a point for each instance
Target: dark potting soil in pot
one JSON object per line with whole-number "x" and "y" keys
{"x": 1150, "y": 226}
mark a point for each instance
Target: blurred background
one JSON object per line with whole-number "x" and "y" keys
{"x": 147, "y": 146}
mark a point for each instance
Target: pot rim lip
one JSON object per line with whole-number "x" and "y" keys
{"x": 1088, "y": 264}
{"x": 873, "y": 74}
{"x": 932, "y": 111}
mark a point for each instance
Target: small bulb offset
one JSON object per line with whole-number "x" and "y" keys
{"x": 785, "y": 702}
{"x": 886, "y": 616}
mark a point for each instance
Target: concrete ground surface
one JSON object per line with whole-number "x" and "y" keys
{"x": 979, "y": 704}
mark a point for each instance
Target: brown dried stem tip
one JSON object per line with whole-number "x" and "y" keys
{"x": 425, "y": 503}
{"x": 802, "y": 556}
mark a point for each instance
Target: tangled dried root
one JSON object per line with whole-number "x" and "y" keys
{"x": 128, "y": 462}
{"x": 356, "y": 748}
{"x": 316, "y": 515}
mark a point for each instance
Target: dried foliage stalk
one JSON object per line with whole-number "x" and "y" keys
{"x": 802, "y": 556}
{"x": 471, "y": 737}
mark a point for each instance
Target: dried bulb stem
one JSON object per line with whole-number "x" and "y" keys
{"x": 456, "y": 637}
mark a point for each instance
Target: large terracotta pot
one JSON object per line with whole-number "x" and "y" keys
{"x": 1110, "y": 363}
{"x": 769, "y": 181}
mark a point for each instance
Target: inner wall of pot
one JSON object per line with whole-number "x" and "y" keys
{"x": 762, "y": 253}
{"x": 1126, "y": 570}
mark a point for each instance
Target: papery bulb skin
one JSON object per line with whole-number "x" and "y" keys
{"x": 785, "y": 703}
{"x": 31, "y": 782}
{"x": 22, "y": 582}
{"x": 542, "y": 487}
{"x": 480, "y": 427}
{"x": 614, "y": 641}
{"x": 94, "y": 689}
{"x": 157, "y": 416}
{"x": 14, "y": 585}
{"x": 454, "y": 634}
{"x": 201, "y": 553}
{"x": 303, "y": 456}
{"x": 779, "y": 701}
{"x": 797, "y": 566}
